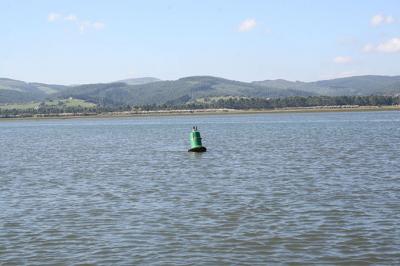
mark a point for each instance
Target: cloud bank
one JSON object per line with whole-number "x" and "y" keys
{"x": 82, "y": 25}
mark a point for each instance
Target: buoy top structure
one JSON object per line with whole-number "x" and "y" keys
{"x": 195, "y": 141}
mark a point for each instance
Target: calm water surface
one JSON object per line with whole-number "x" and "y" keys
{"x": 273, "y": 188}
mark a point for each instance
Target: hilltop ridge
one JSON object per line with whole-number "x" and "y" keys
{"x": 149, "y": 90}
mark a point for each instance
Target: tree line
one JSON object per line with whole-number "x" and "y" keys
{"x": 286, "y": 102}
{"x": 229, "y": 103}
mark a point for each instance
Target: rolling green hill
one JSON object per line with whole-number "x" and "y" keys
{"x": 350, "y": 86}
{"x": 147, "y": 91}
{"x": 172, "y": 92}
{"x": 15, "y": 91}
{"x": 64, "y": 103}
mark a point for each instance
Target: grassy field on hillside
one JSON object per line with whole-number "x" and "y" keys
{"x": 51, "y": 103}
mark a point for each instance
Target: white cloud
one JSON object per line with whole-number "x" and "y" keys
{"x": 247, "y": 25}
{"x": 342, "y": 59}
{"x": 379, "y": 19}
{"x": 53, "y": 17}
{"x": 389, "y": 46}
{"x": 83, "y": 25}
{"x": 71, "y": 17}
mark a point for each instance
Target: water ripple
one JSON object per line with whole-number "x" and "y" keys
{"x": 272, "y": 189}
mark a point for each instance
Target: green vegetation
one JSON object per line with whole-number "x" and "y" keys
{"x": 21, "y": 99}
{"x": 69, "y": 103}
{"x": 176, "y": 92}
{"x": 15, "y": 91}
{"x": 150, "y": 91}
{"x": 350, "y": 86}
{"x": 47, "y": 107}
{"x": 80, "y": 107}
{"x": 19, "y": 106}
{"x": 50, "y": 103}
{"x": 243, "y": 103}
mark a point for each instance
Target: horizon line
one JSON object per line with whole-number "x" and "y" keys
{"x": 133, "y": 78}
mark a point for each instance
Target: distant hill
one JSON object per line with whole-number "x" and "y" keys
{"x": 173, "y": 92}
{"x": 139, "y": 81}
{"x": 15, "y": 91}
{"x": 357, "y": 85}
{"x": 144, "y": 91}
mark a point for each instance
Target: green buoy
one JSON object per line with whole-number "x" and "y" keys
{"x": 195, "y": 141}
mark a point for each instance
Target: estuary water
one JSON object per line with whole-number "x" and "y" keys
{"x": 307, "y": 188}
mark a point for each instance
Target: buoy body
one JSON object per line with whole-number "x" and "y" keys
{"x": 195, "y": 141}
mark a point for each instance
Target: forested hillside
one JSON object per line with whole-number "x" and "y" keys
{"x": 147, "y": 91}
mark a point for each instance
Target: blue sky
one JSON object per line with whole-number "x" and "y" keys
{"x": 70, "y": 42}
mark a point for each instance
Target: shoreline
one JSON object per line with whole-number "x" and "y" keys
{"x": 318, "y": 109}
